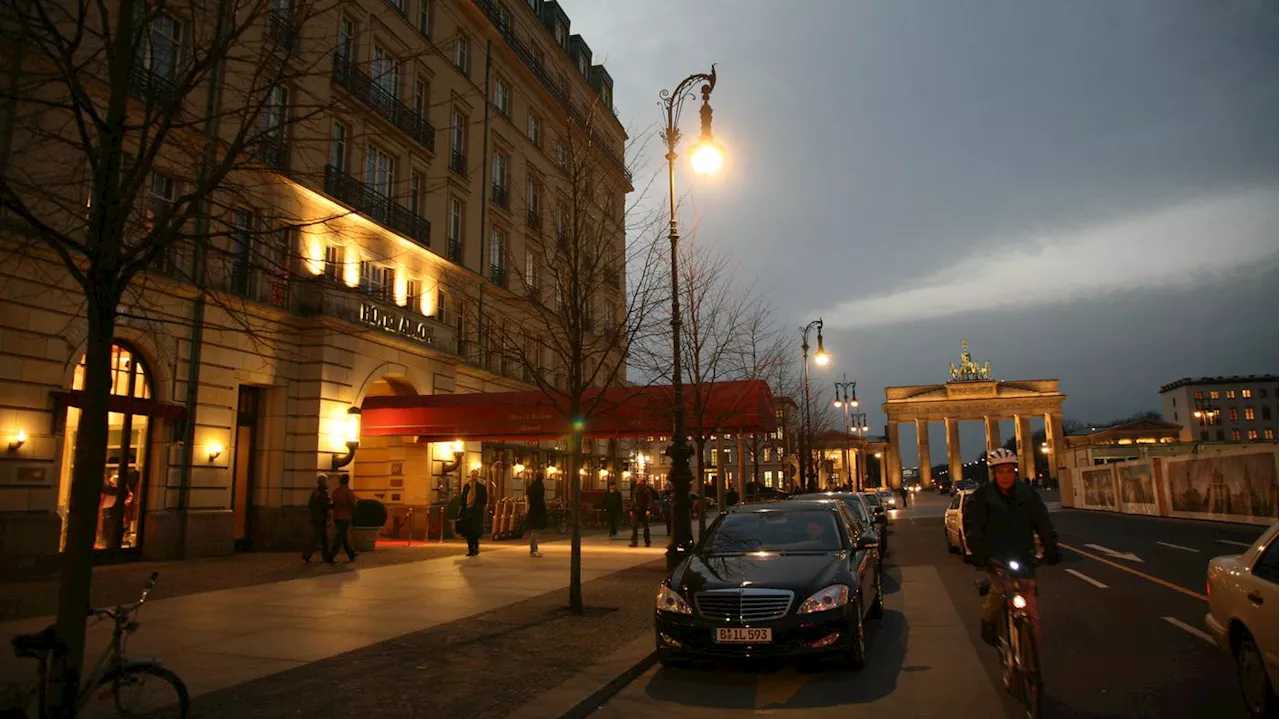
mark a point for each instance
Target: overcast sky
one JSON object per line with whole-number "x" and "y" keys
{"x": 1085, "y": 189}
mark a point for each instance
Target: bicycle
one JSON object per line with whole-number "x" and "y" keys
{"x": 1019, "y": 652}
{"x": 114, "y": 682}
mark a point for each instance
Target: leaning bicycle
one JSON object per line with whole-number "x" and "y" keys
{"x": 1019, "y": 650}
{"x": 116, "y": 686}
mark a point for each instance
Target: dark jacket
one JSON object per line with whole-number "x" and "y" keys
{"x": 471, "y": 521}
{"x": 613, "y": 503}
{"x": 999, "y": 526}
{"x": 642, "y": 498}
{"x": 537, "y": 496}
{"x": 319, "y": 505}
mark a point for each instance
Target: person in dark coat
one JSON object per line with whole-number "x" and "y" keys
{"x": 1001, "y": 522}
{"x": 537, "y": 496}
{"x": 471, "y": 512}
{"x": 613, "y": 508}
{"x": 641, "y": 506}
{"x": 318, "y": 505}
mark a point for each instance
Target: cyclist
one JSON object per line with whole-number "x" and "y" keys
{"x": 1001, "y": 521}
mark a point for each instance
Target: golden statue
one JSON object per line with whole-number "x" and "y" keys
{"x": 968, "y": 370}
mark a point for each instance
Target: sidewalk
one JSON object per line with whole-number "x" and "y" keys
{"x": 448, "y": 636}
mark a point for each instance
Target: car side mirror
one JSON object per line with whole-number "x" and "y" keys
{"x": 867, "y": 541}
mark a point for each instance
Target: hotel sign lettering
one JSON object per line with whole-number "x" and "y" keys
{"x": 395, "y": 323}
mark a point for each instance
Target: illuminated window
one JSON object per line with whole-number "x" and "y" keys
{"x": 1214, "y": 394}
{"x": 1231, "y": 394}
{"x": 1234, "y": 414}
{"x": 1248, "y": 414}
{"x": 1199, "y": 395}
{"x": 1268, "y": 433}
{"x": 1253, "y": 434}
{"x": 1235, "y": 435}
{"x": 1246, "y": 394}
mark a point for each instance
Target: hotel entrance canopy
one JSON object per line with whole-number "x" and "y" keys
{"x": 739, "y": 407}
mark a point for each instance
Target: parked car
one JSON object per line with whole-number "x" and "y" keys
{"x": 888, "y": 498}
{"x": 784, "y": 579}
{"x": 962, "y": 485}
{"x": 879, "y": 517}
{"x": 1242, "y": 618}
{"x": 953, "y": 523}
{"x": 853, "y": 501}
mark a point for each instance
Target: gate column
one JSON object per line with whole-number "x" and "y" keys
{"x": 893, "y": 454}
{"x": 993, "y": 432}
{"x": 922, "y": 445}
{"x": 955, "y": 458}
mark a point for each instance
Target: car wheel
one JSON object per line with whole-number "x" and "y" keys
{"x": 1255, "y": 687}
{"x": 877, "y": 602}
{"x": 858, "y": 647}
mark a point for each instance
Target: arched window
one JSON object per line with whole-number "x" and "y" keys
{"x": 121, "y": 500}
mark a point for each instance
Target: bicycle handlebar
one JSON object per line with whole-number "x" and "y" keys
{"x": 125, "y": 610}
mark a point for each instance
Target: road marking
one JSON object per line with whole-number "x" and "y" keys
{"x": 1087, "y": 578}
{"x": 1178, "y": 546}
{"x": 1190, "y": 629}
{"x": 1233, "y": 543}
{"x": 1135, "y": 572}
{"x": 1118, "y": 555}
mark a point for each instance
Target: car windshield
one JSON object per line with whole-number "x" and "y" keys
{"x": 872, "y": 499}
{"x": 775, "y": 531}
{"x": 859, "y": 510}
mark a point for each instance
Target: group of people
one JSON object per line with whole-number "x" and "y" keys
{"x": 332, "y": 511}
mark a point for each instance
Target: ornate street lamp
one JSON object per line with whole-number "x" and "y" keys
{"x": 822, "y": 359}
{"x": 706, "y": 159}
{"x": 846, "y": 397}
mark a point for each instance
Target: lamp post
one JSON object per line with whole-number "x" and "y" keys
{"x": 706, "y": 160}
{"x": 860, "y": 427}
{"x": 846, "y": 397}
{"x": 822, "y": 359}
{"x": 1208, "y": 415}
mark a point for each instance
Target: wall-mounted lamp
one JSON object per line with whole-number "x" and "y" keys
{"x": 456, "y": 449}
{"x": 18, "y": 440}
{"x": 215, "y": 451}
{"x": 518, "y": 468}
{"x": 551, "y": 470}
{"x": 604, "y": 473}
{"x": 353, "y": 440}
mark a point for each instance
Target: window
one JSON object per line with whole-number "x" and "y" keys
{"x": 338, "y": 147}
{"x": 534, "y": 129}
{"x": 501, "y": 174}
{"x": 1231, "y": 394}
{"x": 530, "y": 270}
{"x": 498, "y": 249}
{"x": 1234, "y": 414}
{"x": 1248, "y": 414}
{"x": 275, "y": 112}
{"x": 1262, "y": 392}
{"x": 379, "y": 171}
{"x": 1215, "y": 394}
{"x": 1266, "y": 567}
{"x": 462, "y": 54}
{"x": 1266, "y": 411}
{"x": 562, "y": 155}
{"x": 584, "y": 65}
{"x": 377, "y": 280}
{"x": 1222, "y": 436}
{"x": 1175, "y": 416}
{"x": 453, "y": 230}
{"x": 533, "y": 198}
{"x": 533, "y": 4}
{"x": 606, "y": 97}
{"x": 160, "y": 49}
{"x": 421, "y": 97}
{"x": 424, "y": 17}
{"x": 385, "y": 71}
{"x": 502, "y": 96}
{"x": 1246, "y": 394}
{"x": 334, "y": 260}
{"x": 458, "y": 141}
{"x": 1235, "y": 435}
{"x": 442, "y": 315}
{"x": 1199, "y": 395}
{"x": 562, "y": 34}
{"x": 415, "y": 194}
{"x": 539, "y": 57}
{"x": 413, "y": 295}
{"x": 1253, "y": 434}
{"x": 346, "y": 49}
{"x": 1268, "y": 433}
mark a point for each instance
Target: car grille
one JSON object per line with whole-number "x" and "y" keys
{"x": 744, "y": 605}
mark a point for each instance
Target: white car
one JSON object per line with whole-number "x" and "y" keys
{"x": 1243, "y": 605}
{"x": 889, "y": 498}
{"x": 953, "y": 521}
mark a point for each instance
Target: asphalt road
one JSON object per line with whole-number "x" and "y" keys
{"x": 1117, "y": 643}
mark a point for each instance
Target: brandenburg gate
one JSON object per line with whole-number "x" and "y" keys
{"x": 972, "y": 394}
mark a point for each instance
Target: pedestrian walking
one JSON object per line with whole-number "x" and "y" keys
{"x": 471, "y": 512}
{"x": 613, "y": 508}
{"x": 537, "y": 496}
{"x": 641, "y": 506}
{"x": 319, "y": 505}
{"x": 344, "y": 504}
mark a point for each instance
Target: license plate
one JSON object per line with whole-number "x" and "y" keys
{"x": 743, "y": 635}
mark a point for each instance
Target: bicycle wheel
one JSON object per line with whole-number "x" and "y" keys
{"x": 149, "y": 690}
{"x": 1008, "y": 645}
{"x": 1032, "y": 684}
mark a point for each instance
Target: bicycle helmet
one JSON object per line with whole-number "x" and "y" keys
{"x": 999, "y": 456}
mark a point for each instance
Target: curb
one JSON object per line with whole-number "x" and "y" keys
{"x": 583, "y": 693}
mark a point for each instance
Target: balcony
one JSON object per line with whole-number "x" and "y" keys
{"x": 282, "y": 29}
{"x": 267, "y": 285}
{"x": 533, "y": 220}
{"x": 499, "y": 196}
{"x": 458, "y": 163}
{"x": 274, "y": 151}
{"x": 611, "y": 278}
{"x": 455, "y": 250}
{"x": 561, "y": 94}
{"x": 150, "y": 88}
{"x": 317, "y": 296}
{"x": 498, "y": 275}
{"x": 376, "y": 206}
{"x": 384, "y": 102}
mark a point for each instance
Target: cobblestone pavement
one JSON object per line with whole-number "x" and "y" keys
{"x": 482, "y": 666}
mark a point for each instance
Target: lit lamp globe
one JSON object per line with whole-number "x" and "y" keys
{"x": 822, "y": 359}
{"x": 706, "y": 158}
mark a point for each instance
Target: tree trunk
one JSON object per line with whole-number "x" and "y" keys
{"x": 575, "y": 522}
{"x": 86, "y": 486}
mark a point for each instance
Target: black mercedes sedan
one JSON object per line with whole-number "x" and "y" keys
{"x": 786, "y": 579}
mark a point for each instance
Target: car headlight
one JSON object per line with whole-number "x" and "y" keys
{"x": 669, "y": 601}
{"x": 833, "y": 597}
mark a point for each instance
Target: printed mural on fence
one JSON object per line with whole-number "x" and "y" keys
{"x": 1137, "y": 488}
{"x": 1238, "y": 488}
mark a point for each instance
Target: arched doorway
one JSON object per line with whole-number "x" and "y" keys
{"x": 121, "y": 500}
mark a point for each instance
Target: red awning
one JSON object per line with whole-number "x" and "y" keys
{"x": 732, "y": 407}
{"x": 131, "y": 405}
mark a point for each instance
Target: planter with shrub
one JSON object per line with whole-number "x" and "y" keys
{"x": 367, "y": 521}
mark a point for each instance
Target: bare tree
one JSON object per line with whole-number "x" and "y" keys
{"x": 587, "y": 295}
{"x": 763, "y": 356}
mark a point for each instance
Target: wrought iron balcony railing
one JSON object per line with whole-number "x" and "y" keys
{"x": 384, "y": 102}
{"x": 458, "y": 163}
{"x": 455, "y": 250}
{"x": 274, "y": 150}
{"x": 151, "y": 88}
{"x": 282, "y": 29}
{"x": 499, "y": 195}
{"x": 533, "y": 220}
{"x": 498, "y": 275}
{"x": 376, "y": 206}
